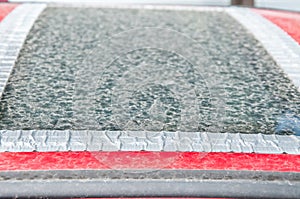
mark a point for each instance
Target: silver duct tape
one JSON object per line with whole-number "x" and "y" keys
{"x": 284, "y": 49}
{"x": 55, "y": 140}
{"x": 13, "y": 30}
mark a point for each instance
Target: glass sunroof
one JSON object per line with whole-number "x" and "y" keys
{"x": 145, "y": 70}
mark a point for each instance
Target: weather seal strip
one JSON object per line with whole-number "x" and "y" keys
{"x": 149, "y": 183}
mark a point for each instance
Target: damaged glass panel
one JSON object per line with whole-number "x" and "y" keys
{"x": 147, "y": 70}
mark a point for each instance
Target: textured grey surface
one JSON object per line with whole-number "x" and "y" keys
{"x": 110, "y": 69}
{"x": 149, "y": 183}
{"x": 14, "y": 141}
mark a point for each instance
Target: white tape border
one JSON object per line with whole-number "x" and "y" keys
{"x": 13, "y": 31}
{"x": 283, "y": 49}
{"x": 55, "y": 140}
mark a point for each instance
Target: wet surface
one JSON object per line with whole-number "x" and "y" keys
{"x": 110, "y": 69}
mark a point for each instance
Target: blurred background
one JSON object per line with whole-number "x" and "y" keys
{"x": 279, "y": 4}
{"x": 293, "y": 5}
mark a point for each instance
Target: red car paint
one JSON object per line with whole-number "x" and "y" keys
{"x": 5, "y": 9}
{"x": 287, "y": 21}
{"x": 148, "y": 160}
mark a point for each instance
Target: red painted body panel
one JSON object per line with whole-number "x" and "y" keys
{"x": 5, "y": 9}
{"x": 287, "y": 21}
{"x": 148, "y": 160}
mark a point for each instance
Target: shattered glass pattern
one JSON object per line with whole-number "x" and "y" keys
{"x": 194, "y": 71}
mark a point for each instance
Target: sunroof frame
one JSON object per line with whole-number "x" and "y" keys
{"x": 15, "y": 28}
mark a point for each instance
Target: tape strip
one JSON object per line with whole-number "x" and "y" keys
{"x": 284, "y": 49}
{"x": 13, "y": 30}
{"x": 54, "y": 140}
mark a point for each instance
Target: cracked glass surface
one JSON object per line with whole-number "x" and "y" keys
{"x": 104, "y": 69}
